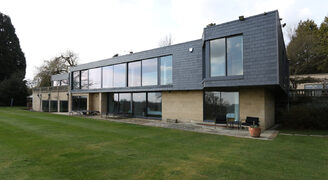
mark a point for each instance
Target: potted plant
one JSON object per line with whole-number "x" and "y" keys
{"x": 254, "y": 130}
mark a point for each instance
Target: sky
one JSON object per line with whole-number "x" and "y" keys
{"x": 99, "y": 29}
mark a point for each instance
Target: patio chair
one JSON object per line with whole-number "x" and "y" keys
{"x": 221, "y": 119}
{"x": 250, "y": 121}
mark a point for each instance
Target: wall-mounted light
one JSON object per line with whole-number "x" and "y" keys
{"x": 191, "y": 50}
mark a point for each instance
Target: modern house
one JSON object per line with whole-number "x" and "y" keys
{"x": 237, "y": 69}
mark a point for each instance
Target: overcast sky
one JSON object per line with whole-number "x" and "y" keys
{"x": 99, "y": 29}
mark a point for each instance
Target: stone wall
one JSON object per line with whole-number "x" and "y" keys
{"x": 257, "y": 102}
{"x": 185, "y": 106}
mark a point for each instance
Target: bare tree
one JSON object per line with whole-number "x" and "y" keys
{"x": 166, "y": 41}
{"x": 56, "y": 65}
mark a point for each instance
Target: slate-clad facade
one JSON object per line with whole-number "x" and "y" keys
{"x": 237, "y": 69}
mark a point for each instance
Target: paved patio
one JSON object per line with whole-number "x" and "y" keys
{"x": 242, "y": 133}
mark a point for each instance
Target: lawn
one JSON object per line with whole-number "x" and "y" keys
{"x": 45, "y": 146}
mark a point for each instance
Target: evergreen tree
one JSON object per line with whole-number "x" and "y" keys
{"x": 308, "y": 48}
{"x": 12, "y": 65}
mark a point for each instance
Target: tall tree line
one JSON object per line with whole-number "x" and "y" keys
{"x": 13, "y": 89}
{"x": 308, "y": 48}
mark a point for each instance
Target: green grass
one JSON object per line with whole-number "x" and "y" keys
{"x": 45, "y": 146}
{"x": 304, "y": 132}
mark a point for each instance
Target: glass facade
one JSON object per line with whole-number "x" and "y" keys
{"x": 120, "y": 75}
{"x": 149, "y": 72}
{"x": 76, "y": 80}
{"x": 139, "y": 104}
{"x": 235, "y": 55}
{"x": 108, "y": 77}
{"x": 226, "y": 56}
{"x": 134, "y": 74}
{"x": 125, "y": 103}
{"x": 95, "y": 78}
{"x": 79, "y": 103}
{"x": 217, "y": 57}
{"x": 63, "y": 106}
{"x": 45, "y": 106}
{"x": 218, "y": 103}
{"x": 154, "y": 102}
{"x": 64, "y": 82}
{"x": 55, "y": 83}
{"x": 53, "y": 106}
{"x": 84, "y": 79}
{"x": 166, "y": 70}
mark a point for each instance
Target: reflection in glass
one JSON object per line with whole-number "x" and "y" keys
{"x": 63, "y": 106}
{"x": 64, "y": 82}
{"x": 125, "y": 103}
{"x": 166, "y": 70}
{"x": 107, "y": 76}
{"x": 221, "y": 104}
{"x": 84, "y": 79}
{"x": 45, "y": 106}
{"x": 120, "y": 75}
{"x": 116, "y": 103}
{"x": 95, "y": 78}
{"x": 217, "y": 57}
{"x": 235, "y": 55}
{"x": 149, "y": 72}
{"x": 76, "y": 80}
{"x": 55, "y": 83}
{"x": 139, "y": 104}
{"x": 53, "y": 106}
{"x": 134, "y": 74}
{"x": 154, "y": 104}
{"x": 79, "y": 103}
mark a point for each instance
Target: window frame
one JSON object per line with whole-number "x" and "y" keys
{"x": 225, "y": 54}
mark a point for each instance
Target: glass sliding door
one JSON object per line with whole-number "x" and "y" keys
{"x": 53, "y": 106}
{"x": 139, "y": 104}
{"x": 125, "y": 103}
{"x": 63, "y": 106}
{"x": 154, "y": 104}
{"x": 45, "y": 106}
{"x": 218, "y": 103}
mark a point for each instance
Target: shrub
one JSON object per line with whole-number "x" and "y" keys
{"x": 306, "y": 116}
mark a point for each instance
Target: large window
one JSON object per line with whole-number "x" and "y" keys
{"x": 235, "y": 55}
{"x": 217, "y": 57}
{"x": 125, "y": 103}
{"x": 221, "y": 104}
{"x": 84, "y": 79}
{"x": 139, "y": 104}
{"x": 53, "y": 106}
{"x": 45, "y": 106}
{"x": 64, "y": 82}
{"x": 226, "y": 56}
{"x": 134, "y": 74}
{"x": 63, "y": 106}
{"x": 95, "y": 78}
{"x": 166, "y": 70}
{"x": 120, "y": 75}
{"x": 154, "y": 104}
{"x": 79, "y": 103}
{"x": 76, "y": 80}
{"x": 107, "y": 77}
{"x": 149, "y": 72}
{"x": 55, "y": 83}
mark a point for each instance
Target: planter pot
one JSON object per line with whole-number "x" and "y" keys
{"x": 254, "y": 132}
